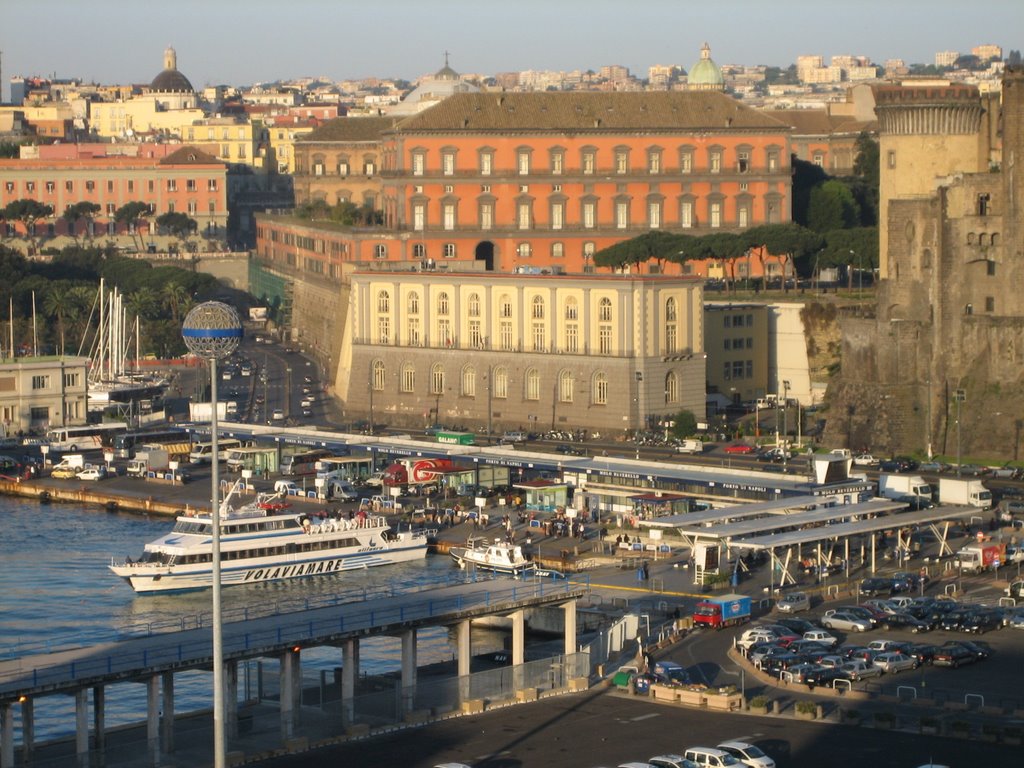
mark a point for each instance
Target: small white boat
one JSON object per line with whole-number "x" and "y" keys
{"x": 265, "y": 540}
{"x": 500, "y": 557}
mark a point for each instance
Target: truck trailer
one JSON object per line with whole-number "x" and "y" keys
{"x": 723, "y": 611}
{"x": 892, "y": 486}
{"x": 964, "y": 491}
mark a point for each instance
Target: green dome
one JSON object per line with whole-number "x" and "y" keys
{"x": 705, "y": 73}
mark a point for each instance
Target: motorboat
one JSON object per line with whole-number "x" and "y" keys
{"x": 499, "y": 556}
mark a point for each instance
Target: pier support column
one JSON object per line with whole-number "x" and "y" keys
{"x": 288, "y": 684}
{"x": 167, "y": 718}
{"x": 518, "y": 648}
{"x": 153, "y": 719}
{"x": 28, "y": 730}
{"x": 349, "y": 670}
{"x": 464, "y": 630}
{"x": 408, "y": 670}
{"x": 569, "y": 609}
{"x": 99, "y": 723}
{"x": 231, "y": 699}
{"x": 82, "y": 727}
{"x": 7, "y": 736}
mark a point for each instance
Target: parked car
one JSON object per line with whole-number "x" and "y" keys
{"x": 936, "y": 467}
{"x": 711, "y": 756}
{"x": 748, "y": 754}
{"x": 860, "y": 611}
{"x": 953, "y": 656}
{"x": 92, "y": 473}
{"x": 846, "y": 622}
{"x": 858, "y": 669}
{"x": 892, "y": 663}
{"x": 980, "y": 622}
{"x": 865, "y": 460}
{"x": 873, "y": 587}
{"x": 821, "y": 636}
{"x": 793, "y": 602}
{"x": 905, "y": 621}
{"x": 671, "y": 761}
{"x": 980, "y": 651}
{"x": 796, "y": 625}
{"x": 923, "y": 652}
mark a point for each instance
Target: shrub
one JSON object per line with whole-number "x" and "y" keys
{"x": 759, "y": 701}
{"x": 807, "y": 707}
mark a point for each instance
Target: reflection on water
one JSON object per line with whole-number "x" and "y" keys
{"x": 57, "y": 591}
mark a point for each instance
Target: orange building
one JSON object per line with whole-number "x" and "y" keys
{"x": 545, "y": 180}
{"x": 187, "y": 181}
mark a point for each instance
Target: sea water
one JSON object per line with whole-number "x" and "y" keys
{"x": 57, "y": 592}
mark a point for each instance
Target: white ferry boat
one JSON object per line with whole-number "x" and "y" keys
{"x": 265, "y": 541}
{"x": 500, "y": 557}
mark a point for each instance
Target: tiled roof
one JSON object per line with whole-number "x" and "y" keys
{"x": 589, "y": 112}
{"x": 816, "y": 122}
{"x": 351, "y": 129}
{"x": 190, "y": 155}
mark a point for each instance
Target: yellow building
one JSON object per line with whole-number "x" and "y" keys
{"x": 282, "y": 144}
{"x": 233, "y": 140}
{"x": 736, "y": 341}
{"x": 37, "y": 393}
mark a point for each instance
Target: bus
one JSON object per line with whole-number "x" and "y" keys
{"x": 345, "y": 468}
{"x": 304, "y": 463}
{"x": 126, "y": 443}
{"x": 202, "y": 453}
{"x": 87, "y": 438}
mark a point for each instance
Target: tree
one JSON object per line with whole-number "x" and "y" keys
{"x": 177, "y": 299}
{"x": 28, "y": 212}
{"x": 789, "y": 241}
{"x": 685, "y": 424}
{"x": 78, "y": 211}
{"x": 851, "y": 248}
{"x": 177, "y": 224}
{"x": 9, "y": 150}
{"x": 832, "y": 206}
{"x": 130, "y": 214}
{"x": 656, "y": 244}
{"x": 56, "y": 304}
{"x": 806, "y": 176}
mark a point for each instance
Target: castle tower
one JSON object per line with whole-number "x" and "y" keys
{"x": 170, "y": 58}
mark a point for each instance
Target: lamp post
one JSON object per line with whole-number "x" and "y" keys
{"x": 212, "y": 330}
{"x": 372, "y": 384}
{"x": 490, "y": 389}
{"x": 959, "y": 396}
{"x": 785, "y": 426}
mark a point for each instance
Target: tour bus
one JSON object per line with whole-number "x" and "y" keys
{"x": 347, "y": 468}
{"x": 126, "y": 442}
{"x": 304, "y": 463}
{"x": 87, "y": 438}
{"x": 202, "y": 453}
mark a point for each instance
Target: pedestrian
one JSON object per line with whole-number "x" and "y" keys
{"x": 647, "y": 571}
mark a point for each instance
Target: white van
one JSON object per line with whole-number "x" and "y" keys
{"x": 202, "y": 453}
{"x": 711, "y": 756}
{"x": 690, "y": 445}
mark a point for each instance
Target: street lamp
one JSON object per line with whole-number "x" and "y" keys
{"x": 212, "y": 330}
{"x": 959, "y": 396}
{"x": 785, "y": 426}
{"x": 860, "y": 272}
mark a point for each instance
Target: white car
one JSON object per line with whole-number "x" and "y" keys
{"x": 846, "y": 622}
{"x": 278, "y": 415}
{"x": 793, "y": 602}
{"x": 92, "y": 473}
{"x": 306, "y": 402}
{"x": 882, "y": 646}
{"x": 752, "y": 637}
{"x": 865, "y": 460}
{"x": 894, "y": 662}
{"x": 748, "y": 754}
{"x": 671, "y": 761}
{"x": 827, "y": 639}
{"x": 859, "y": 670}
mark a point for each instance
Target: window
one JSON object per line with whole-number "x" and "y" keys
{"x": 41, "y": 382}
{"x": 486, "y": 215}
{"x": 383, "y": 302}
{"x": 486, "y": 163}
{"x": 474, "y": 305}
{"x": 621, "y": 161}
{"x": 192, "y": 207}
{"x": 419, "y": 161}
{"x": 50, "y": 186}
{"x": 190, "y": 185}
{"x": 71, "y": 379}
{"x": 343, "y": 168}
{"x": 408, "y": 378}
{"x": 419, "y": 216}
{"x": 444, "y": 332}
{"x": 532, "y": 384}
{"x": 557, "y": 250}
{"x": 990, "y": 268}
{"x": 715, "y": 161}
{"x": 671, "y": 339}
{"x": 211, "y": 185}
{"x": 505, "y": 335}
{"x": 91, "y": 186}
{"x": 743, "y": 160}
{"x": 589, "y": 214}
{"x": 891, "y": 158}
{"x": 419, "y": 251}
{"x": 111, "y": 209}
{"x": 572, "y": 309}
{"x": 9, "y": 186}
{"x": 983, "y": 201}
{"x": 773, "y": 159}
{"x": 604, "y": 310}
{"x": 378, "y": 376}
{"x": 654, "y": 161}
{"x": 449, "y": 250}
{"x": 671, "y": 388}
{"x": 557, "y": 161}
{"x": 448, "y": 162}
{"x": 818, "y": 159}
{"x": 469, "y": 381}
{"x": 622, "y": 214}
{"x": 686, "y": 214}
{"x": 654, "y": 214}
{"x": 437, "y": 379}
{"x": 523, "y": 250}
{"x": 557, "y": 215}
{"x": 743, "y": 214}
{"x": 505, "y": 306}
{"x": 537, "y": 308}
{"x": 172, "y": 185}
{"x": 380, "y": 251}
{"x": 572, "y": 337}
{"x": 476, "y": 337}
{"x": 523, "y": 162}
{"x": 604, "y": 339}
{"x": 990, "y": 304}
{"x": 449, "y": 216}
{"x": 442, "y": 303}
{"x": 413, "y": 329}
{"x": 686, "y": 160}
{"x": 523, "y": 215}
{"x": 566, "y": 388}
{"x": 600, "y": 389}
{"x": 500, "y": 388}
{"x": 588, "y": 161}
{"x": 715, "y": 214}
{"x": 727, "y": 371}
{"x": 539, "y": 335}
{"x": 69, "y": 186}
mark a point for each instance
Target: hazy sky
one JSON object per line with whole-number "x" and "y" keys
{"x": 240, "y": 42}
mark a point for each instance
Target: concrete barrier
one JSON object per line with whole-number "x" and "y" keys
{"x": 472, "y": 706}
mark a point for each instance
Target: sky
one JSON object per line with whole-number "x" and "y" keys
{"x": 241, "y": 42}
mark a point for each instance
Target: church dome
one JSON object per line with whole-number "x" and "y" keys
{"x": 171, "y": 80}
{"x": 705, "y": 74}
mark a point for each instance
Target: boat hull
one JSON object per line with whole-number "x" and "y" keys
{"x": 465, "y": 558}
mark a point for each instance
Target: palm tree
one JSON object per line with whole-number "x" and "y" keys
{"x": 177, "y": 299}
{"x": 56, "y": 304}
{"x": 142, "y": 302}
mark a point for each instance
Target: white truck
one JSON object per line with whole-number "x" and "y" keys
{"x": 690, "y": 445}
{"x": 892, "y": 486}
{"x": 155, "y": 459}
{"x": 964, "y": 491}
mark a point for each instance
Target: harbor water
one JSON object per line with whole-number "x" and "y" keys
{"x": 56, "y": 592}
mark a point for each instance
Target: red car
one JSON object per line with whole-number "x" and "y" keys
{"x": 739, "y": 448}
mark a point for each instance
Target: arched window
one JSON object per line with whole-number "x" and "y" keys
{"x": 408, "y": 378}
{"x": 600, "y": 388}
{"x": 442, "y": 304}
{"x": 380, "y": 251}
{"x": 500, "y": 388}
{"x": 413, "y": 303}
{"x": 437, "y": 379}
{"x": 505, "y": 305}
{"x": 469, "y": 381}
{"x": 604, "y": 310}
{"x": 378, "y": 375}
{"x": 537, "y": 311}
{"x": 383, "y": 301}
{"x": 532, "y": 384}
{"x": 670, "y": 310}
{"x": 565, "y": 387}
{"x": 419, "y": 251}
{"x": 474, "y": 305}
{"x": 572, "y": 309}
{"x": 671, "y": 388}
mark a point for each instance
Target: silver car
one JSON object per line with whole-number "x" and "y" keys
{"x": 894, "y": 662}
{"x": 846, "y": 622}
